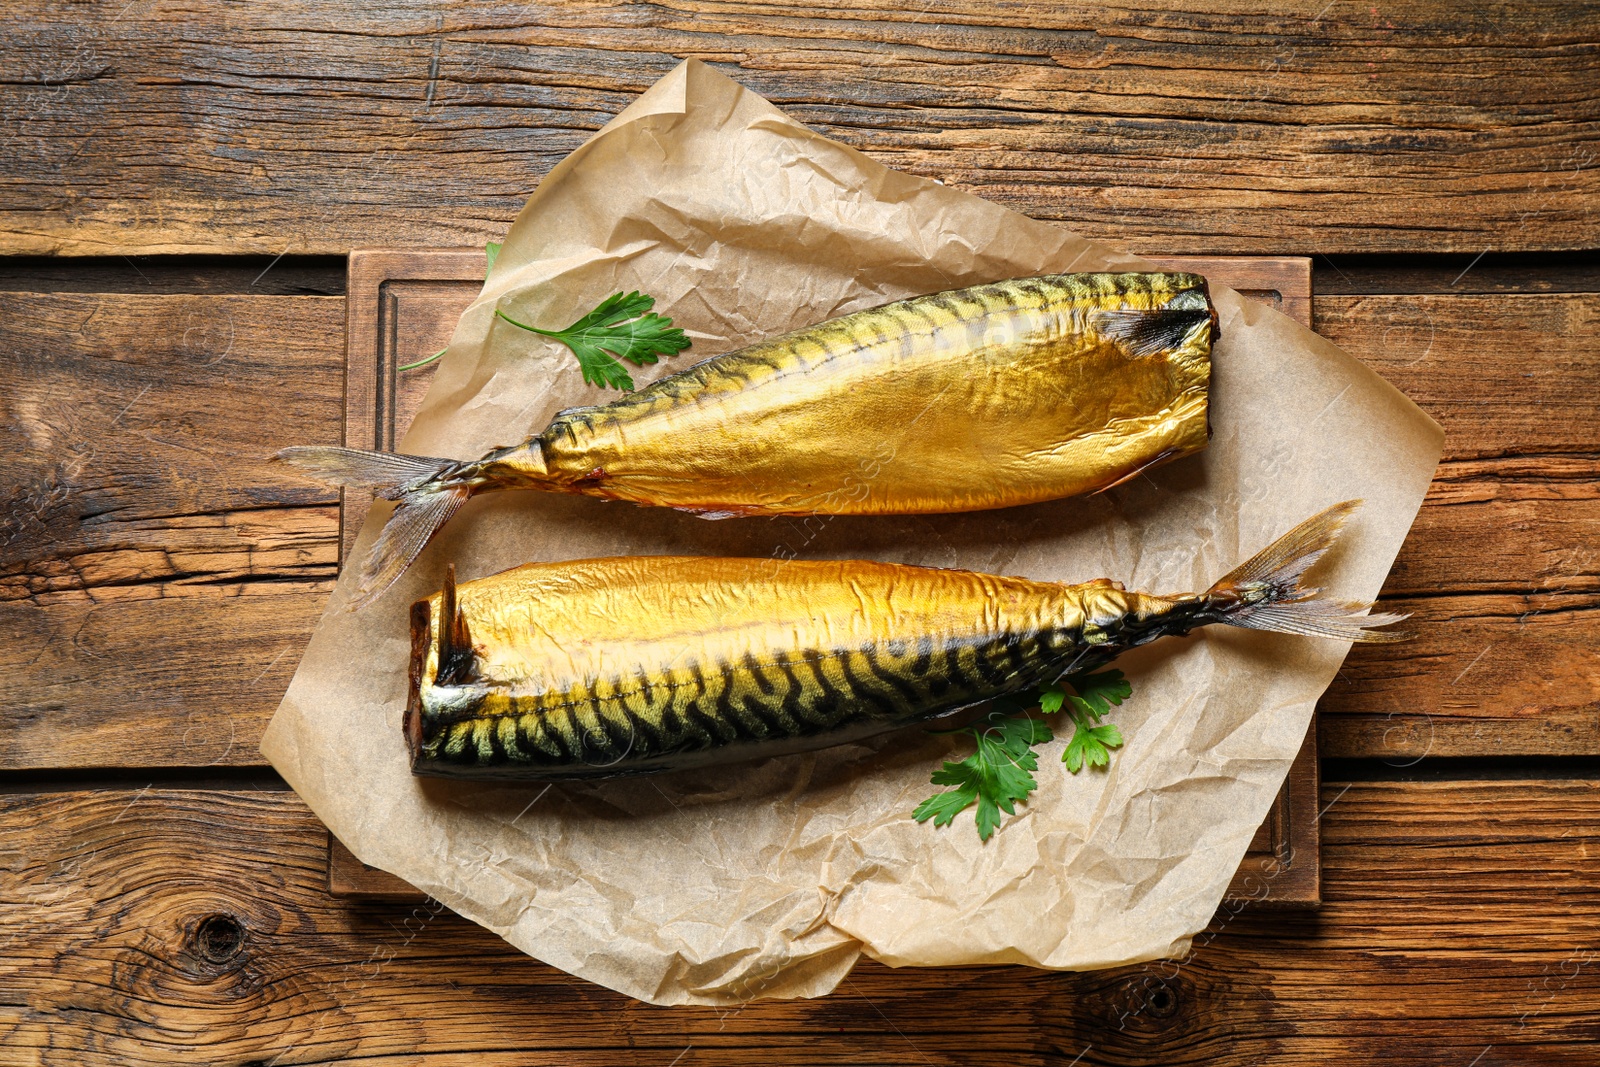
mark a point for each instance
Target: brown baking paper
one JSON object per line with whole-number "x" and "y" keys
{"x": 770, "y": 879}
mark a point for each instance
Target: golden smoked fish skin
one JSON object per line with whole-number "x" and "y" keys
{"x": 602, "y": 667}
{"x": 997, "y": 395}
{"x": 979, "y": 398}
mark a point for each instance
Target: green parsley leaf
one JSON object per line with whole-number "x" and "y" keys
{"x": 1100, "y": 692}
{"x": 995, "y": 777}
{"x": 1094, "y": 696}
{"x": 999, "y": 775}
{"x": 942, "y": 808}
{"x": 1089, "y": 745}
{"x": 622, "y": 327}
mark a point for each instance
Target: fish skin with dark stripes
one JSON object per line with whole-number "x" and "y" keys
{"x": 603, "y": 667}
{"x": 996, "y": 395}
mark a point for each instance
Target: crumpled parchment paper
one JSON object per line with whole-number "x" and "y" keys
{"x": 770, "y": 879}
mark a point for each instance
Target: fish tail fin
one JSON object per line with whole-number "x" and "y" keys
{"x": 408, "y": 531}
{"x": 428, "y": 491}
{"x": 1264, "y": 592}
{"x": 389, "y": 473}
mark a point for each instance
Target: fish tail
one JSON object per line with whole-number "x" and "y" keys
{"x": 1264, "y": 592}
{"x": 388, "y": 473}
{"x": 428, "y": 491}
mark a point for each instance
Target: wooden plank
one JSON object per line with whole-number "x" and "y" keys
{"x": 153, "y": 676}
{"x": 1503, "y": 572}
{"x": 1485, "y": 676}
{"x": 158, "y": 577}
{"x": 123, "y": 409}
{"x": 1216, "y": 128}
{"x": 143, "y": 928}
{"x": 1503, "y": 566}
{"x": 1518, "y": 524}
{"x": 1505, "y": 374}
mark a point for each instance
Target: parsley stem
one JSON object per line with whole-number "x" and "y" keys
{"x": 491, "y": 252}
{"x": 525, "y": 326}
{"x": 423, "y": 362}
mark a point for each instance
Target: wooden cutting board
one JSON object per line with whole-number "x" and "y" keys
{"x": 402, "y": 307}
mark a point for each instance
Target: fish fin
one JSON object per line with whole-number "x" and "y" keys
{"x": 1264, "y": 592}
{"x": 456, "y": 656}
{"x": 388, "y": 472}
{"x": 420, "y": 514}
{"x": 1324, "y": 618}
{"x": 1154, "y": 461}
{"x": 722, "y": 513}
{"x": 426, "y": 499}
{"x": 1148, "y": 333}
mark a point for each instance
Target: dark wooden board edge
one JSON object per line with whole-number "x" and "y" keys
{"x": 349, "y": 877}
{"x": 1281, "y": 281}
{"x": 1290, "y": 876}
{"x": 1287, "y": 875}
{"x": 369, "y": 381}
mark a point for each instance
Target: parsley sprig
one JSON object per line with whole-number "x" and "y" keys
{"x": 995, "y": 777}
{"x": 622, "y": 327}
{"x": 1095, "y": 694}
{"x": 999, "y": 775}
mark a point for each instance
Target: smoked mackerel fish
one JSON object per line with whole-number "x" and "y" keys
{"x": 603, "y": 667}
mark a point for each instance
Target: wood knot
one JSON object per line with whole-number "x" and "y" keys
{"x": 1161, "y": 1001}
{"x": 218, "y": 938}
{"x": 1150, "y": 1004}
{"x": 1155, "y": 1004}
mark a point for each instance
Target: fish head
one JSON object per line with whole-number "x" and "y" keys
{"x": 434, "y": 708}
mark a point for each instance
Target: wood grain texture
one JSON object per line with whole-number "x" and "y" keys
{"x": 158, "y": 576}
{"x": 1505, "y": 374}
{"x": 172, "y": 927}
{"x": 1502, "y": 569}
{"x": 1202, "y": 128}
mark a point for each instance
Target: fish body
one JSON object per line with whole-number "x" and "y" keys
{"x": 602, "y": 667}
{"x": 992, "y": 396}
{"x": 980, "y": 398}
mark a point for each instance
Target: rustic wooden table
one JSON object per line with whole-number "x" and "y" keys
{"x": 178, "y": 188}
